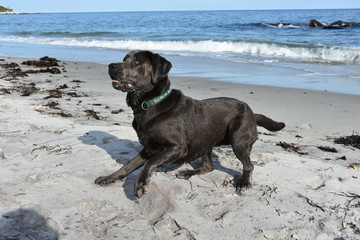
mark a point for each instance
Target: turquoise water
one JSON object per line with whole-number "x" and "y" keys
{"x": 275, "y": 48}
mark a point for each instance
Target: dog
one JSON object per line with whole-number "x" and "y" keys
{"x": 174, "y": 128}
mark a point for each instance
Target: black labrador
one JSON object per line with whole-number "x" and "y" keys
{"x": 175, "y": 128}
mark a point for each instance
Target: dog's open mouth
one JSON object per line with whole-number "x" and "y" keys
{"x": 118, "y": 85}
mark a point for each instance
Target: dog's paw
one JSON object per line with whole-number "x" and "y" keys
{"x": 105, "y": 180}
{"x": 140, "y": 190}
{"x": 141, "y": 187}
{"x": 242, "y": 184}
{"x": 185, "y": 174}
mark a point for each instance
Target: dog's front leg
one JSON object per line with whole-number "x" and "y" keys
{"x": 166, "y": 157}
{"x": 134, "y": 164}
{"x": 144, "y": 179}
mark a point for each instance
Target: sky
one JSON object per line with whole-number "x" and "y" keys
{"x": 170, "y": 5}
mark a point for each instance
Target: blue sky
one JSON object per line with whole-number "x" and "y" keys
{"x": 163, "y": 5}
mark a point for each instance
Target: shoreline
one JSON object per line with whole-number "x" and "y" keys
{"x": 319, "y": 77}
{"x": 60, "y": 131}
{"x": 216, "y": 80}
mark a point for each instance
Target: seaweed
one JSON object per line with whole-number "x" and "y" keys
{"x": 327, "y": 149}
{"x": 54, "y": 95}
{"x": 52, "y": 104}
{"x": 117, "y": 111}
{"x": 43, "y": 62}
{"x": 352, "y": 140}
{"x": 64, "y": 114}
{"x": 27, "y": 89}
{"x": 4, "y": 91}
{"x": 77, "y": 81}
{"x": 13, "y": 71}
{"x": 290, "y": 147}
{"x": 92, "y": 113}
{"x": 46, "y": 70}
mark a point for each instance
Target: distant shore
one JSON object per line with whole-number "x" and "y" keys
{"x": 14, "y": 13}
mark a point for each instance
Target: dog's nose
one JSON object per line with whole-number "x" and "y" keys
{"x": 113, "y": 66}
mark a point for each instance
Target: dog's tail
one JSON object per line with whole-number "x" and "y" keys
{"x": 268, "y": 123}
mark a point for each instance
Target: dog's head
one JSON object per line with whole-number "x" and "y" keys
{"x": 139, "y": 70}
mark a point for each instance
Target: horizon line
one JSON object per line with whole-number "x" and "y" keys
{"x": 192, "y": 10}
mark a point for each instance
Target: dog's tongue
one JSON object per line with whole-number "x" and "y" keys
{"x": 128, "y": 85}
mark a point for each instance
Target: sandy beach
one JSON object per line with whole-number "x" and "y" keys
{"x": 61, "y": 129}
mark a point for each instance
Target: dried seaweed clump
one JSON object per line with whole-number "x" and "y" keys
{"x": 42, "y": 62}
{"x": 353, "y": 140}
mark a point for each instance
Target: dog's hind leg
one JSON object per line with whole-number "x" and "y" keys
{"x": 207, "y": 166}
{"x": 242, "y": 140}
{"x": 243, "y": 154}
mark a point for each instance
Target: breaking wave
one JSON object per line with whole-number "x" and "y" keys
{"x": 231, "y": 48}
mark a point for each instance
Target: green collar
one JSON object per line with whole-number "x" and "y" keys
{"x": 148, "y": 104}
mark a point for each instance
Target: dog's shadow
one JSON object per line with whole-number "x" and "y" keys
{"x": 124, "y": 150}
{"x": 120, "y": 150}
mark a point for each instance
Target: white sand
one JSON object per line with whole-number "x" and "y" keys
{"x": 48, "y": 164}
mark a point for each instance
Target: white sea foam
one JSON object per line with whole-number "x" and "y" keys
{"x": 272, "y": 50}
{"x": 280, "y": 25}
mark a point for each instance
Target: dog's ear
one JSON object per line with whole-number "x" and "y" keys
{"x": 161, "y": 66}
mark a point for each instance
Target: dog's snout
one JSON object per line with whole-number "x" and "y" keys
{"x": 113, "y": 66}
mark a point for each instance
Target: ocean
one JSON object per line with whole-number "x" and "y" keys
{"x": 265, "y": 47}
